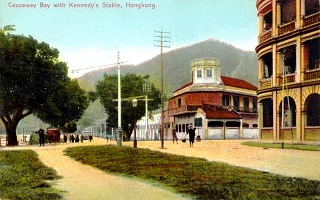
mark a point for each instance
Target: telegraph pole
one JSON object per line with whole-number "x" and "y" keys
{"x": 162, "y": 38}
{"x": 119, "y": 135}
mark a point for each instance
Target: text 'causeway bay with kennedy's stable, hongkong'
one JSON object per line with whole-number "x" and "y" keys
{"x": 44, "y": 5}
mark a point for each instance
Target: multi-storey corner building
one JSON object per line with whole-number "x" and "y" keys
{"x": 289, "y": 69}
{"x": 219, "y": 107}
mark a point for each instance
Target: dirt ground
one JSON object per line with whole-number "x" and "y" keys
{"x": 286, "y": 162}
{"x": 85, "y": 182}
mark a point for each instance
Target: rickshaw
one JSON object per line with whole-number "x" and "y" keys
{"x": 53, "y": 135}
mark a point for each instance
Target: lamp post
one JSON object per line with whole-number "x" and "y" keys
{"x": 146, "y": 89}
{"x": 134, "y": 104}
{"x": 119, "y": 133}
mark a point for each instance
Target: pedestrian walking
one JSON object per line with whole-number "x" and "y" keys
{"x": 82, "y": 138}
{"x": 72, "y": 138}
{"x": 65, "y": 138}
{"x": 192, "y": 133}
{"x": 77, "y": 138}
{"x": 90, "y": 138}
{"x": 174, "y": 135}
{"x": 41, "y": 136}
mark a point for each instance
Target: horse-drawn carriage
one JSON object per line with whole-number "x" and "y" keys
{"x": 53, "y": 135}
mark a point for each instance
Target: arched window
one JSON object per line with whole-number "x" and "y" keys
{"x": 267, "y": 113}
{"x": 288, "y": 116}
{"x": 313, "y": 110}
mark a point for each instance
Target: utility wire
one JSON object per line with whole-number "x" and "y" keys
{"x": 106, "y": 65}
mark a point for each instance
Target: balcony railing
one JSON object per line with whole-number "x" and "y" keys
{"x": 265, "y": 36}
{"x": 286, "y": 28}
{"x": 265, "y": 83}
{"x": 312, "y": 19}
{"x": 183, "y": 109}
{"x": 244, "y": 109}
{"x": 312, "y": 74}
{"x": 289, "y": 78}
{"x": 177, "y": 110}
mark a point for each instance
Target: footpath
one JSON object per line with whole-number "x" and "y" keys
{"x": 84, "y": 182}
{"x": 286, "y": 162}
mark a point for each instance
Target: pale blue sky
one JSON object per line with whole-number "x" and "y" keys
{"x": 89, "y": 37}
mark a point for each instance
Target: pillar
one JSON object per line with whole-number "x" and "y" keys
{"x": 302, "y": 9}
{"x": 303, "y": 125}
{"x": 275, "y": 20}
{"x": 261, "y": 69}
{"x": 298, "y": 14}
{"x": 277, "y": 63}
{"x": 304, "y": 60}
{"x": 260, "y": 24}
{"x": 299, "y": 117}
{"x": 298, "y": 60}
{"x": 278, "y": 13}
{"x": 276, "y": 117}
{"x": 241, "y": 130}
{"x": 260, "y": 119}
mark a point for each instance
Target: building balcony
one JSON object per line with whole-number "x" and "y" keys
{"x": 183, "y": 109}
{"x": 265, "y": 83}
{"x": 265, "y": 36}
{"x": 312, "y": 74}
{"x": 244, "y": 109}
{"x": 311, "y": 19}
{"x": 289, "y": 78}
{"x": 286, "y": 28}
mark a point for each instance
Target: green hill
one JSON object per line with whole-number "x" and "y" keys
{"x": 176, "y": 65}
{"x": 177, "y": 72}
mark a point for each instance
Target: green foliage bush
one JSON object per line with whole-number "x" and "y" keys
{"x": 195, "y": 177}
{"x": 23, "y": 176}
{"x": 34, "y": 139}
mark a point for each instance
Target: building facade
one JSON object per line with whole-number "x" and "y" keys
{"x": 289, "y": 69}
{"x": 153, "y": 131}
{"x": 219, "y": 107}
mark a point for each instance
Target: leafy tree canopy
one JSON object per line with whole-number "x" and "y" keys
{"x": 33, "y": 80}
{"x": 131, "y": 87}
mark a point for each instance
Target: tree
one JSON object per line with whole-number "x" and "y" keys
{"x": 131, "y": 86}
{"x": 69, "y": 127}
{"x": 33, "y": 80}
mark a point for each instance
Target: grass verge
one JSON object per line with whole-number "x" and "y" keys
{"x": 285, "y": 145}
{"x": 23, "y": 176}
{"x": 195, "y": 177}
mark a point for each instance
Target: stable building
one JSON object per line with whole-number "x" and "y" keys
{"x": 220, "y": 107}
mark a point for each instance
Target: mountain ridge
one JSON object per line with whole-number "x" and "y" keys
{"x": 235, "y": 62}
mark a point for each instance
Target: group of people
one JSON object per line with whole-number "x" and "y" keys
{"x": 75, "y": 138}
{"x": 72, "y": 138}
{"x": 191, "y": 132}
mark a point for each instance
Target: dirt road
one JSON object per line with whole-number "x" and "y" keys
{"x": 85, "y": 182}
{"x": 286, "y": 162}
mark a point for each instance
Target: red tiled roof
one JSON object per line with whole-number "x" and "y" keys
{"x": 184, "y": 86}
{"x": 234, "y": 82}
{"x": 228, "y": 81}
{"x": 222, "y": 114}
